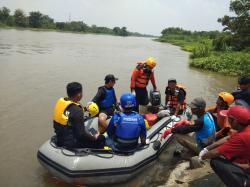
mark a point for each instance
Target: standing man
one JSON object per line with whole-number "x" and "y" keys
{"x": 242, "y": 94}
{"x": 175, "y": 97}
{"x": 125, "y": 128}
{"x": 139, "y": 81}
{"x": 69, "y": 121}
{"x": 105, "y": 98}
{"x": 234, "y": 168}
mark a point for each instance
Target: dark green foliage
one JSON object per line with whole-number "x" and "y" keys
{"x": 238, "y": 25}
{"x": 20, "y": 18}
{"x": 38, "y": 20}
{"x": 35, "y": 19}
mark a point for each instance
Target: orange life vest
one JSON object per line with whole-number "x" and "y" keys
{"x": 142, "y": 77}
{"x": 173, "y": 99}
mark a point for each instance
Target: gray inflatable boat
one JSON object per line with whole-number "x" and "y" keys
{"x": 91, "y": 166}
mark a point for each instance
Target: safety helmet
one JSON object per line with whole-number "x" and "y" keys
{"x": 227, "y": 97}
{"x": 93, "y": 109}
{"x": 151, "y": 62}
{"x": 127, "y": 100}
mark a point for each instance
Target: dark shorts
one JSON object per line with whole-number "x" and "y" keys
{"x": 141, "y": 96}
{"x": 108, "y": 111}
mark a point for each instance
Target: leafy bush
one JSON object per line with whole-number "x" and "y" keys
{"x": 231, "y": 63}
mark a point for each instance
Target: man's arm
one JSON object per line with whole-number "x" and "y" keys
{"x": 111, "y": 126}
{"x": 143, "y": 134}
{"x": 152, "y": 79}
{"x": 213, "y": 150}
{"x": 185, "y": 129}
{"x": 180, "y": 100}
{"x": 77, "y": 122}
{"x": 133, "y": 79}
{"x": 100, "y": 95}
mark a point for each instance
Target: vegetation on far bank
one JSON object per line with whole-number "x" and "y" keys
{"x": 37, "y": 20}
{"x": 225, "y": 52}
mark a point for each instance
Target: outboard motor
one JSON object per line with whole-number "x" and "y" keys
{"x": 155, "y": 98}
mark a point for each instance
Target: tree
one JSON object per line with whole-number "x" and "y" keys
{"x": 4, "y": 14}
{"x": 20, "y": 18}
{"x": 238, "y": 25}
{"x": 47, "y": 22}
{"x": 35, "y": 19}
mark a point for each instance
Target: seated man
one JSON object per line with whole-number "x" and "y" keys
{"x": 242, "y": 94}
{"x": 204, "y": 128}
{"x": 126, "y": 127}
{"x": 234, "y": 168}
{"x": 175, "y": 97}
{"x": 106, "y": 101}
{"x": 223, "y": 102}
{"x": 69, "y": 121}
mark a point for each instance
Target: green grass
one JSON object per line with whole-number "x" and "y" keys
{"x": 204, "y": 57}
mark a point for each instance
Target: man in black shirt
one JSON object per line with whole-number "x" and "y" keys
{"x": 106, "y": 100}
{"x": 242, "y": 94}
{"x": 69, "y": 121}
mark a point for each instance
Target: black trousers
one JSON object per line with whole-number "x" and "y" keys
{"x": 141, "y": 97}
{"x": 230, "y": 174}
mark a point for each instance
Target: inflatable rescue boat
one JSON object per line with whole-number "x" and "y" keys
{"x": 102, "y": 166}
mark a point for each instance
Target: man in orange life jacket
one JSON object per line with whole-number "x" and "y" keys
{"x": 139, "y": 81}
{"x": 175, "y": 97}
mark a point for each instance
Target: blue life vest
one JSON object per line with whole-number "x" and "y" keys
{"x": 109, "y": 99}
{"x": 206, "y": 135}
{"x": 128, "y": 126}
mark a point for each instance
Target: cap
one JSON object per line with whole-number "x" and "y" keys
{"x": 110, "y": 77}
{"x": 238, "y": 112}
{"x": 172, "y": 80}
{"x": 198, "y": 103}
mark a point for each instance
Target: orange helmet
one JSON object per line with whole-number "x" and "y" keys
{"x": 227, "y": 97}
{"x": 151, "y": 62}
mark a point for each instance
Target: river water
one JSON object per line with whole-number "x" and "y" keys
{"x": 34, "y": 70}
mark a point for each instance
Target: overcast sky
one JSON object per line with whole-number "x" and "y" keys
{"x": 144, "y": 16}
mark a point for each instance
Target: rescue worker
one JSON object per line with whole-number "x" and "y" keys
{"x": 223, "y": 102}
{"x": 175, "y": 97}
{"x": 69, "y": 121}
{"x": 204, "y": 128}
{"x": 126, "y": 127}
{"x": 106, "y": 100}
{"x": 139, "y": 81}
{"x": 242, "y": 94}
{"x": 233, "y": 168}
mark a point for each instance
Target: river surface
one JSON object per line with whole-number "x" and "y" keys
{"x": 34, "y": 70}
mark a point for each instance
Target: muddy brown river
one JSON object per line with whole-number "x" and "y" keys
{"x": 34, "y": 70}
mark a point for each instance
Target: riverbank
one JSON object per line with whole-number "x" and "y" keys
{"x": 183, "y": 176}
{"x": 203, "y": 56}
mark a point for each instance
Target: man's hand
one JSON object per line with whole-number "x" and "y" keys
{"x": 202, "y": 153}
{"x": 133, "y": 92}
{"x": 97, "y": 135}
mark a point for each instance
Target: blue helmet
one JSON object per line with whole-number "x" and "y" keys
{"x": 128, "y": 100}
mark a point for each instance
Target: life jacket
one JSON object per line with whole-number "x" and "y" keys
{"x": 206, "y": 135}
{"x": 173, "y": 99}
{"x": 109, "y": 99}
{"x": 59, "y": 111}
{"x": 128, "y": 129}
{"x": 143, "y": 77}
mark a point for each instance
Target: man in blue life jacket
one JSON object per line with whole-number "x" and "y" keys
{"x": 125, "y": 128}
{"x": 106, "y": 100}
{"x": 203, "y": 126}
{"x": 69, "y": 121}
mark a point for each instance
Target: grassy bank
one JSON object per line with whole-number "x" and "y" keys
{"x": 204, "y": 56}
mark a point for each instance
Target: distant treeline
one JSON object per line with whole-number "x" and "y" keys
{"x": 38, "y": 20}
